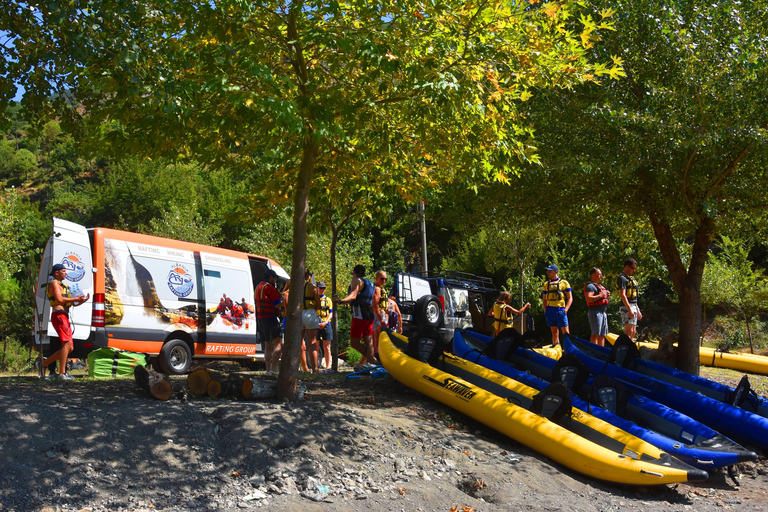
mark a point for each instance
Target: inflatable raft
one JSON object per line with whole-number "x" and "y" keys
{"x": 580, "y": 442}
{"x": 752, "y": 363}
{"x": 728, "y": 419}
{"x": 665, "y": 428}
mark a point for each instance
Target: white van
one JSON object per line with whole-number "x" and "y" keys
{"x": 169, "y": 299}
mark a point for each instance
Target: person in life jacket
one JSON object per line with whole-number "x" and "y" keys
{"x": 380, "y": 305}
{"x": 61, "y": 300}
{"x": 597, "y": 303}
{"x": 269, "y": 302}
{"x": 503, "y": 312}
{"x": 310, "y": 321}
{"x": 360, "y": 297}
{"x": 627, "y": 285}
{"x": 557, "y": 301}
{"x": 325, "y": 330}
{"x": 394, "y": 317}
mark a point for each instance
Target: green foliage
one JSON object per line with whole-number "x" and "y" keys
{"x": 184, "y": 224}
{"x": 732, "y": 281}
{"x": 725, "y": 330}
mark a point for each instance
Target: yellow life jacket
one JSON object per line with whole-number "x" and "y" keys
{"x": 64, "y": 293}
{"x": 309, "y": 300}
{"x": 383, "y": 300}
{"x": 500, "y": 319}
{"x": 631, "y": 288}
{"x": 554, "y": 293}
{"x": 325, "y": 308}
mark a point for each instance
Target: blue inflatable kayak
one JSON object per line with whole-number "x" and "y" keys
{"x": 741, "y": 396}
{"x": 669, "y": 430}
{"x": 725, "y": 418}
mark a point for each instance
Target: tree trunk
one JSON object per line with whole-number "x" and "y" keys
{"x": 198, "y": 380}
{"x": 334, "y": 291}
{"x": 687, "y": 284}
{"x": 289, "y": 368}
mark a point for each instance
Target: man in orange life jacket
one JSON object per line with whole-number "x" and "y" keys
{"x": 597, "y": 302}
{"x": 268, "y": 303}
{"x": 557, "y": 301}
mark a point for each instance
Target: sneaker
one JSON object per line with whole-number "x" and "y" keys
{"x": 65, "y": 376}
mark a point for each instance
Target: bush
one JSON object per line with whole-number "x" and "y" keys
{"x": 723, "y": 330}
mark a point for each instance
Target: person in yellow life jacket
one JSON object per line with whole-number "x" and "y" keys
{"x": 627, "y": 285}
{"x": 61, "y": 300}
{"x": 597, "y": 303}
{"x": 325, "y": 331}
{"x": 380, "y": 305}
{"x": 310, "y": 321}
{"x": 557, "y": 301}
{"x": 503, "y": 312}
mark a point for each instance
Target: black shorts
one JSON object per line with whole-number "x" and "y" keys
{"x": 326, "y": 333}
{"x": 268, "y": 329}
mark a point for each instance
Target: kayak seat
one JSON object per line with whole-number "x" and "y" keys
{"x": 624, "y": 353}
{"x": 742, "y": 393}
{"x": 553, "y": 402}
{"x": 426, "y": 345}
{"x": 506, "y": 342}
{"x": 572, "y": 372}
{"x": 608, "y": 393}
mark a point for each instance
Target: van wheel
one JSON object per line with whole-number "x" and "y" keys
{"x": 175, "y": 357}
{"x": 428, "y": 311}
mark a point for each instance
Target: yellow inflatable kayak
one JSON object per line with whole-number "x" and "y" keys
{"x": 751, "y": 363}
{"x": 585, "y": 444}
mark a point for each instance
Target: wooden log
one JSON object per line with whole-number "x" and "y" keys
{"x": 221, "y": 388}
{"x": 198, "y": 381}
{"x": 156, "y": 384}
{"x": 254, "y": 389}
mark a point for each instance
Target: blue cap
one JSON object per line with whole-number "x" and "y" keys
{"x": 269, "y": 273}
{"x": 56, "y": 268}
{"x": 553, "y": 267}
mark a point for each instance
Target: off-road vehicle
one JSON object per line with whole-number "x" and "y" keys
{"x": 446, "y": 300}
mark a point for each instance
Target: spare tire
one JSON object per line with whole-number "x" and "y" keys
{"x": 428, "y": 311}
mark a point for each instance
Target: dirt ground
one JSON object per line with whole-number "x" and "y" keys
{"x": 351, "y": 445}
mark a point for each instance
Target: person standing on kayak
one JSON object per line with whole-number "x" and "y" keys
{"x": 597, "y": 303}
{"x": 627, "y": 285}
{"x": 557, "y": 301}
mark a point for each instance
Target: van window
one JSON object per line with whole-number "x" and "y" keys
{"x": 212, "y": 273}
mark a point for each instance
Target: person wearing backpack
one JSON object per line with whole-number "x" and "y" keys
{"x": 557, "y": 301}
{"x": 597, "y": 303}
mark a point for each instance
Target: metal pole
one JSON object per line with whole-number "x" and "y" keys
{"x": 422, "y": 216}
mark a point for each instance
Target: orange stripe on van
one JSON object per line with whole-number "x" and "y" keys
{"x": 141, "y": 347}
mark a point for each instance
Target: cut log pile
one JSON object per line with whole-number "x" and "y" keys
{"x": 204, "y": 382}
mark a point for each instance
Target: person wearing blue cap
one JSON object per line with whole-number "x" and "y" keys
{"x": 557, "y": 301}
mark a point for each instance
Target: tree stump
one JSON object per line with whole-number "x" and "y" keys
{"x": 156, "y": 384}
{"x": 198, "y": 381}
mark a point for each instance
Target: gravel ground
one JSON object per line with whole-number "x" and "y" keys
{"x": 351, "y": 445}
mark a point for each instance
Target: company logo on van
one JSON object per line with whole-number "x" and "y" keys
{"x": 180, "y": 281}
{"x": 75, "y": 267}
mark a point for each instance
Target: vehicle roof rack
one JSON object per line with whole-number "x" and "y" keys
{"x": 459, "y": 278}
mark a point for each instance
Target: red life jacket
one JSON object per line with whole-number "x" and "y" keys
{"x": 598, "y": 302}
{"x": 264, "y": 307}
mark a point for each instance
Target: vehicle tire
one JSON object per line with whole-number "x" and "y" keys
{"x": 175, "y": 357}
{"x": 428, "y": 312}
